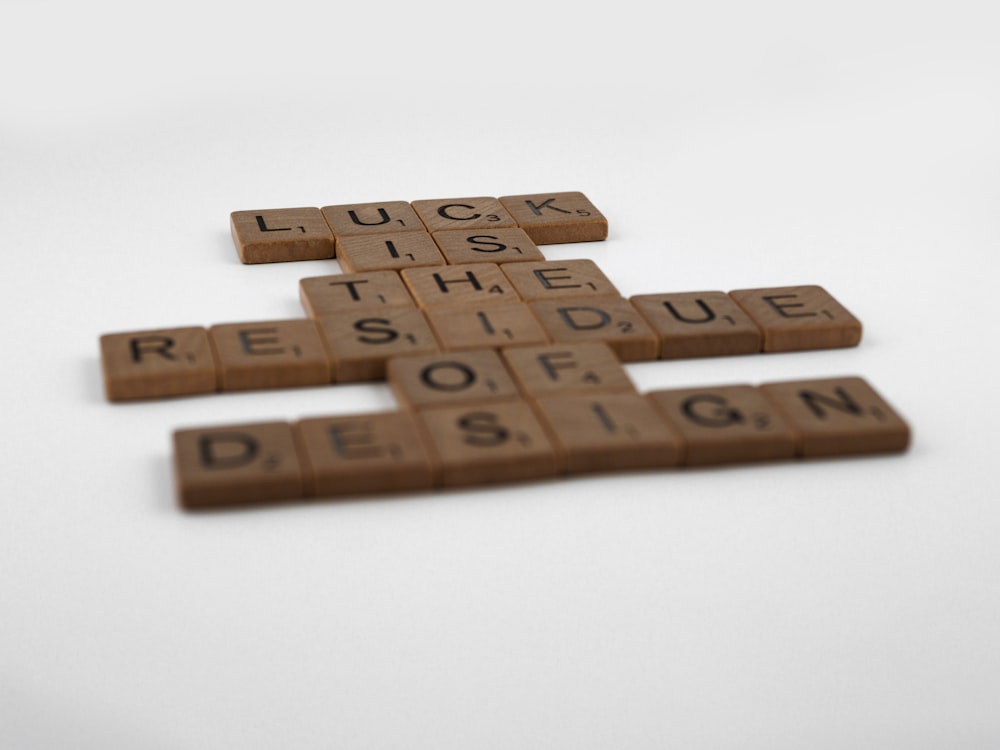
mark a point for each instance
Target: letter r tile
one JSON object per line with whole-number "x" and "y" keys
{"x": 237, "y": 465}
{"x": 157, "y": 363}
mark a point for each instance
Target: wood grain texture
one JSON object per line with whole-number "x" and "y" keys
{"x": 553, "y": 218}
{"x": 608, "y": 432}
{"x": 380, "y": 452}
{"x": 281, "y": 234}
{"x": 500, "y": 442}
{"x": 796, "y": 318}
{"x": 237, "y": 465}
{"x": 269, "y": 354}
{"x": 157, "y": 363}
{"x": 698, "y": 324}
{"x": 726, "y": 424}
{"x": 347, "y": 292}
{"x": 564, "y": 369}
{"x": 839, "y": 417}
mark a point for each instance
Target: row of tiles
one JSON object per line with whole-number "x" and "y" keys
{"x": 310, "y": 233}
{"x": 512, "y": 439}
{"x": 357, "y": 322}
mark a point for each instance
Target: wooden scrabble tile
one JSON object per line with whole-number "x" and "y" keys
{"x": 340, "y": 293}
{"x": 839, "y": 416}
{"x": 360, "y": 343}
{"x": 552, "y": 218}
{"x": 559, "y": 279}
{"x": 611, "y": 320}
{"x": 510, "y": 245}
{"x": 725, "y": 424}
{"x": 698, "y": 324}
{"x": 237, "y": 465}
{"x": 452, "y": 378}
{"x": 565, "y": 369}
{"x": 281, "y": 234}
{"x": 371, "y": 218}
{"x": 463, "y": 213}
{"x": 362, "y": 454}
{"x": 608, "y": 432}
{"x": 794, "y": 318}
{"x": 485, "y": 326}
{"x": 158, "y": 363}
{"x": 380, "y": 252}
{"x": 468, "y": 284}
{"x": 269, "y": 354}
{"x": 488, "y": 443}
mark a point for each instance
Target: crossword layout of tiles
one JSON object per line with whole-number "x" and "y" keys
{"x": 507, "y": 367}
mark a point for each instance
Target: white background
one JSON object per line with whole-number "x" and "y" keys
{"x": 850, "y": 603}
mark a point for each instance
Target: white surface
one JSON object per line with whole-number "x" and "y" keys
{"x": 847, "y": 603}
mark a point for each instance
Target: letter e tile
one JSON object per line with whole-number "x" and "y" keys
{"x": 796, "y": 318}
{"x": 363, "y": 453}
{"x": 269, "y": 354}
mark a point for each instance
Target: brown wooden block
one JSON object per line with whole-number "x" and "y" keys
{"x": 510, "y": 245}
{"x": 158, "y": 363}
{"x": 468, "y": 284}
{"x": 281, "y": 234}
{"x": 725, "y": 424}
{"x": 559, "y": 280}
{"x": 269, "y": 354}
{"x": 611, "y": 320}
{"x": 237, "y": 465}
{"x": 488, "y": 443}
{"x": 698, "y": 324}
{"x": 360, "y": 343}
{"x": 386, "y": 217}
{"x": 481, "y": 212}
{"x": 452, "y": 378}
{"x": 608, "y": 432}
{"x": 347, "y": 292}
{"x": 839, "y": 416}
{"x": 362, "y": 454}
{"x": 794, "y": 318}
{"x": 564, "y": 369}
{"x": 380, "y": 252}
{"x": 552, "y": 218}
{"x": 485, "y": 326}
